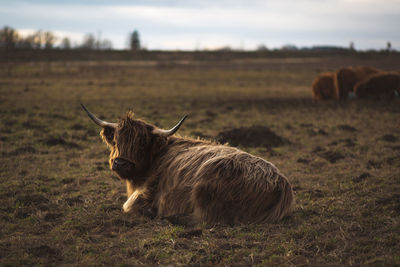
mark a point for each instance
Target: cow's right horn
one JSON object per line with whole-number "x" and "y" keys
{"x": 171, "y": 131}
{"x": 98, "y": 121}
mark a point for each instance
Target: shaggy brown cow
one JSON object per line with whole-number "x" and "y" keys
{"x": 206, "y": 182}
{"x": 382, "y": 85}
{"x": 323, "y": 87}
{"x": 347, "y": 77}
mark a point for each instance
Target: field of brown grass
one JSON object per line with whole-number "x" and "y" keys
{"x": 61, "y": 205}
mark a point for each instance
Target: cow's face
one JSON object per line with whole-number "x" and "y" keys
{"x": 123, "y": 167}
{"x": 134, "y": 145}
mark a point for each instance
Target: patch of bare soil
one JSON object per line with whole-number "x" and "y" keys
{"x": 78, "y": 126}
{"x": 191, "y": 233}
{"x": 317, "y": 131}
{"x": 347, "y": 128}
{"x": 54, "y": 141}
{"x": 44, "y": 251}
{"x": 331, "y": 156}
{"x": 254, "y": 136}
{"x": 361, "y": 177}
{"x": 32, "y": 199}
{"x": 22, "y": 150}
{"x": 345, "y": 142}
{"x": 389, "y": 138}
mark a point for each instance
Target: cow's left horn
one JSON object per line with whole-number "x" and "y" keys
{"x": 98, "y": 121}
{"x": 173, "y": 130}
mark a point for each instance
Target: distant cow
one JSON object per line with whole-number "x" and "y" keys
{"x": 382, "y": 85}
{"x": 323, "y": 87}
{"x": 347, "y": 77}
{"x": 206, "y": 182}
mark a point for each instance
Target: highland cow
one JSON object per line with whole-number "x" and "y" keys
{"x": 323, "y": 87}
{"x": 347, "y": 77}
{"x": 382, "y": 85}
{"x": 201, "y": 181}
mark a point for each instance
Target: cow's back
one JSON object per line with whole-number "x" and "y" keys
{"x": 218, "y": 183}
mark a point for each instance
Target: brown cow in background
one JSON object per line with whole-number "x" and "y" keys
{"x": 382, "y": 85}
{"x": 203, "y": 181}
{"x": 347, "y": 77}
{"x": 323, "y": 87}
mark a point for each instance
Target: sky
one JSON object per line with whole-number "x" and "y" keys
{"x": 212, "y": 24}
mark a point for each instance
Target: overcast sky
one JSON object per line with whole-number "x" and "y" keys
{"x": 208, "y": 24}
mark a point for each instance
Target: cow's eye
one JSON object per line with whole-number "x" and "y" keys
{"x": 109, "y": 134}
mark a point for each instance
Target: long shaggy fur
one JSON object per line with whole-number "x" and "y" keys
{"x": 207, "y": 182}
{"x": 381, "y": 85}
{"x": 346, "y": 77}
{"x": 323, "y": 87}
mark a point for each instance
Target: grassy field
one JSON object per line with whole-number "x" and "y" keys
{"x": 61, "y": 205}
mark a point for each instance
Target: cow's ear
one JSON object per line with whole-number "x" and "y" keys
{"x": 108, "y": 135}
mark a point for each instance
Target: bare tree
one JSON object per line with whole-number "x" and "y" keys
{"x": 89, "y": 42}
{"x": 134, "y": 41}
{"x": 49, "y": 40}
{"x": 105, "y": 44}
{"x": 351, "y": 47}
{"x": 65, "y": 43}
{"x": 262, "y": 47}
{"x": 8, "y": 38}
{"x": 388, "y": 46}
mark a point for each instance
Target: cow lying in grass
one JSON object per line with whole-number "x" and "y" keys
{"x": 346, "y": 77}
{"x": 205, "y": 182}
{"x": 384, "y": 85}
{"x": 323, "y": 87}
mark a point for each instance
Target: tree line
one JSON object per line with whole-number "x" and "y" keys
{"x": 11, "y": 39}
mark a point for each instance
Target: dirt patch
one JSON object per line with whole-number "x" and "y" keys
{"x": 92, "y": 132}
{"x": 67, "y": 180}
{"x": 54, "y": 141}
{"x": 346, "y": 142}
{"x": 43, "y": 251}
{"x": 332, "y": 156}
{"x": 33, "y": 125}
{"x": 123, "y": 223}
{"x": 392, "y": 160}
{"x": 191, "y": 233}
{"x": 306, "y": 125}
{"x": 318, "y": 149}
{"x": 317, "y": 193}
{"x": 393, "y": 201}
{"x": 254, "y": 136}
{"x": 361, "y": 177}
{"x": 77, "y": 126}
{"x": 347, "y": 128}
{"x": 210, "y": 113}
{"x": 317, "y": 131}
{"x": 373, "y": 164}
{"x": 52, "y": 216}
{"x": 23, "y": 150}
{"x": 31, "y": 200}
{"x": 303, "y": 160}
{"x": 389, "y": 138}
{"x": 73, "y": 200}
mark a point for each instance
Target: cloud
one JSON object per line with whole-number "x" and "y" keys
{"x": 180, "y": 24}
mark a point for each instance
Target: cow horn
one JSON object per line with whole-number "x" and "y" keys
{"x": 98, "y": 121}
{"x": 173, "y": 130}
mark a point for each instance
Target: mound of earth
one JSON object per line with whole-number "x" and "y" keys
{"x": 254, "y": 136}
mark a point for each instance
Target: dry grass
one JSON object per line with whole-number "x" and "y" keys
{"x": 60, "y": 205}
